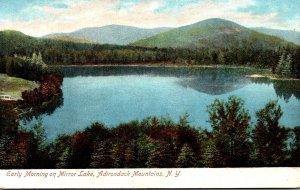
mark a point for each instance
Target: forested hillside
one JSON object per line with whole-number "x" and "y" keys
{"x": 212, "y": 33}
{"x": 265, "y": 54}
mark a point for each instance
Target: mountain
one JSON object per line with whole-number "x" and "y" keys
{"x": 289, "y": 35}
{"x": 112, "y": 34}
{"x": 211, "y": 33}
{"x": 70, "y": 39}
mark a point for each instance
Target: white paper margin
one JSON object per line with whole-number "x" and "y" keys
{"x": 161, "y": 178}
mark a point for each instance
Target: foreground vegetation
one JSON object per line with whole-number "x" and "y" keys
{"x": 153, "y": 142}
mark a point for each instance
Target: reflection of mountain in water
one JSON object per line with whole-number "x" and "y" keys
{"x": 215, "y": 84}
{"x": 284, "y": 88}
{"x": 154, "y": 71}
{"x": 209, "y": 80}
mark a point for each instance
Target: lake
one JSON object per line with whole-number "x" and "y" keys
{"x": 115, "y": 94}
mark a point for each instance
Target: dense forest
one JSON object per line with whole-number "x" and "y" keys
{"x": 156, "y": 142}
{"x": 283, "y": 60}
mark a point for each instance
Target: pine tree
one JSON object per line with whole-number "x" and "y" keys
{"x": 101, "y": 157}
{"x": 284, "y": 66}
{"x": 221, "y": 58}
{"x": 34, "y": 58}
{"x": 39, "y": 59}
{"x": 287, "y": 67}
{"x": 186, "y": 158}
{"x": 210, "y": 154}
{"x": 63, "y": 160}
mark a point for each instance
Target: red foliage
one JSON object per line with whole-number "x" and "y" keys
{"x": 19, "y": 150}
{"x": 164, "y": 134}
{"x": 80, "y": 142}
{"x": 49, "y": 87}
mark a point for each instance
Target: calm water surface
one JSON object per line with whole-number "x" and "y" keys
{"x": 119, "y": 94}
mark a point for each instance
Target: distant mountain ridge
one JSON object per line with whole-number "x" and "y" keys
{"x": 289, "y": 35}
{"x": 112, "y": 34}
{"x": 211, "y": 33}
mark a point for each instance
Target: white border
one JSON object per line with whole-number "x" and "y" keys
{"x": 187, "y": 178}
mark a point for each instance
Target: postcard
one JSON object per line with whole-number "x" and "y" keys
{"x": 149, "y": 94}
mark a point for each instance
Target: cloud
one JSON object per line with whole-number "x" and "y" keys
{"x": 144, "y": 13}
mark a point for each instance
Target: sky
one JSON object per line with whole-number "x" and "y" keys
{"x": 41, "y": 17}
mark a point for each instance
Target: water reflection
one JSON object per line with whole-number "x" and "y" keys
{"x": 209, "y": 80}
{"x": 114, "y": 95}
{"x": 27, "y": 113}
{"x": 283, "y": 88}
{"x": 155, "y": 71}
{"x": 215, "y": 85}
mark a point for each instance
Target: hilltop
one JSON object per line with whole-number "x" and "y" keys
{"x": 211, "y": 33}
{"x": 112, "y": 34}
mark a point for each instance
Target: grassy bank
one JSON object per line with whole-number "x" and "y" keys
{"x": 14, "y": 87}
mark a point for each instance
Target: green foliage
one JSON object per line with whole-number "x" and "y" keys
{"x": 27, "y": 68}
{"x": 269, "y": 137}
{"x": 186, "y": 158}
{"x": 39, "y": 133}
{"x": 284, "y": 67}
{"x": 210, "y": 154}
{"x": 61, "y": 151}
{"x": 183, "y": 120}
{"x": 230, "y": 123}
{"x": 101, "y": 157}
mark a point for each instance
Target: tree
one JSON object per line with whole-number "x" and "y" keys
{"x": 61, "y": 151}
{"x": 287, "y": 68}
{"x": 101, "y": 157}
{"x": 284, "y": 66}
{"x": 230, "y": 123}
{"x": 186, "y": 158}
{"x": 221, "y": 58}
{"x": 269, "y": 137}
{"x": 34, "y": 58}
{"x": 161, "y": 156}
{"x": 39, "y": 59}
{"x": 183, "y": 120}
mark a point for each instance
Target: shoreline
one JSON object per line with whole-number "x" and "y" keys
{"x": 270, "y": 76}
{"x": 161, "y": 65}
{"x": 168, "y": 65}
